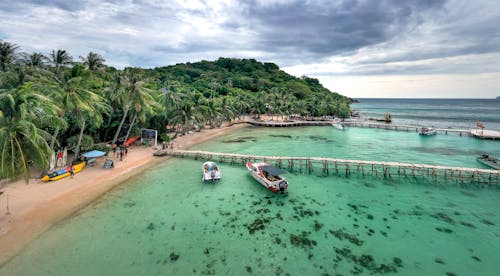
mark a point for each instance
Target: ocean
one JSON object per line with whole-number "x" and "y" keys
{"x": 440, "y": 113}
{"x": 168, "y": 222}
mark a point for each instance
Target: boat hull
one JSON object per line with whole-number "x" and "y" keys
{"x": 63, "y": 173}
{"x": 427, "y": 132}
{"x": 274, "y": 186}
{"x": 210, "y": 172}
{"x": 339, "y": 126}
{"x": 490, "y": 162}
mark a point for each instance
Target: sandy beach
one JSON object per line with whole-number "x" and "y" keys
{"x": 27, "y": 210}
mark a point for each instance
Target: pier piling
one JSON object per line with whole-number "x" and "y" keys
{"x": 384, "y": 169}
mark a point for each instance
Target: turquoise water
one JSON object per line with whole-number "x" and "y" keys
{"x": 441, "y": 113}
{"x": 167, "y": 222}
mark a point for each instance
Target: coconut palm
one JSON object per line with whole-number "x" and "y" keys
{"x": 36, "y": 60}
{"x": 133, "y": 96}
{"x": 93, "y": 61}
{"x": 71, "y": 92}
{"x": 60, "y": 59}
{"x": 8, "y": 54}
{"x": 21, "y": 139}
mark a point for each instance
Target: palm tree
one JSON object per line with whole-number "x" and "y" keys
{"x": 8, "y": 54}
{"x": 186, "y": 115}
{"x": 59, "y": 59}
{"x": 73, "y": 96}
{"x": 93, "y": 61}
{"x": 21, "y": 139}
{"x": 36, "y": 60}
{"x": 133, "y": 96}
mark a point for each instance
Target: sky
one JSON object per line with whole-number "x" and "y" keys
{"x": 358, "y": 48}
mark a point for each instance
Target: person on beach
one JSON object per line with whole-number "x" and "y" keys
{"x": 72, "y": 171}
{"x": 121, "y": 155}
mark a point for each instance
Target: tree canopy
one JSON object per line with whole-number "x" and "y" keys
{"x": 51, "y": 101}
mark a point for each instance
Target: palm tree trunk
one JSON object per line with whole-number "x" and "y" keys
{"x": 107, "y": 129}
{"x": 130, "y": 127}
{"x": 53, "y": 140}
{"x": 77, "y": 150}
{"x": 125, "y": 113}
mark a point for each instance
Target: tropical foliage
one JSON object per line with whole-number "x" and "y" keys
{"x": 53, "y": 101}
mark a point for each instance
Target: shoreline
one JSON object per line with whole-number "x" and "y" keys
{"x": 35, "y": 207}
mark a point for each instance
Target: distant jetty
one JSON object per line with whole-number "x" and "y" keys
{"x": 482, "y": 134}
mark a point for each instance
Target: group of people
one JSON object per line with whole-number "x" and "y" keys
{"x": 120, "y": 151}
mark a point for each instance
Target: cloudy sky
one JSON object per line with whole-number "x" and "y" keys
{"x": 359, "y": 48}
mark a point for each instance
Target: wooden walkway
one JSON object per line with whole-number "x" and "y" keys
{"x": 344, "y": 166}
{"x": 486, "y": 134}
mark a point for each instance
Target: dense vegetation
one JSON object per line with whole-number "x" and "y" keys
{"x": 53, "y": 101}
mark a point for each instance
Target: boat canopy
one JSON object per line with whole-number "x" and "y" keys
{"x": 272, "y": 170}
{"x": 209, "y": 165}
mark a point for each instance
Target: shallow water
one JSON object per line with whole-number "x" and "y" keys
{"x": 168, "y": 222}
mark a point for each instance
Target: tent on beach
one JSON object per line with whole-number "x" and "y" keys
{"x": 93, "y": 154}
{"x": 90, "y": 157}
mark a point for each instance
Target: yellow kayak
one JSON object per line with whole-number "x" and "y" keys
{"x": 63, "y": 173}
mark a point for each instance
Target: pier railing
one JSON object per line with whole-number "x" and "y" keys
{"x": 347, "y": 167}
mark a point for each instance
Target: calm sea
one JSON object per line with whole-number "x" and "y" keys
{"x": 167, "y": 222}
{"x": 441, "y": 113}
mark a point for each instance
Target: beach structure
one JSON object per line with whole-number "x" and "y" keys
{"x": 347, "y": 167}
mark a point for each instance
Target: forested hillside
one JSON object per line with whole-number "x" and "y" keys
{"x": 53, "y": 101}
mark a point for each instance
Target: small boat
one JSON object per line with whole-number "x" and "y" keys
{"x": 427, "y": 131}
{"x": 53, "y": 176}
{"x": 210, "y": 171}
{"x": 268, "y": 176}
{"x": 489, "y": 161}
{"x": 338, "y": 124}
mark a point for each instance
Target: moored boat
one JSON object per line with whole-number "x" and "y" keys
{"x": 338, "y": 124}
{"x": 489, "y": 161}
{"x": 62, "y": 173}
{"x": 268, "y": 176}
{"x": 427, "y": 131}
{"x": 210, "y": 171}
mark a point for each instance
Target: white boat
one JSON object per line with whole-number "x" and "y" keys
{"x": 210, "y": 171}
{"x": 268, "y": 176}
{"x": 489, "y": 161}
{"x": 427, "y": 131}
{"x": 338, "y": 124}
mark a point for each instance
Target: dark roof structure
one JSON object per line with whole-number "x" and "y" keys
{"x": 272, "y": 170}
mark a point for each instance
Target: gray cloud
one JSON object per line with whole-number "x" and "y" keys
{"x": 328, "y": 29}
{"x": 360, "y": 37}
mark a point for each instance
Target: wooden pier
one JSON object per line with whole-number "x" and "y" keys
{"x": 347, "y": 167}
{"x": 483, "y": 134}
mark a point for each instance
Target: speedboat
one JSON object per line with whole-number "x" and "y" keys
{"x": 489, "y": 161}
{"x": 268, "y": 176}
{"x": 338, "y": 124}
{"x": 427, "y": 131}
{"x": 210, "y": 171}
{"x": 62, "y": 173}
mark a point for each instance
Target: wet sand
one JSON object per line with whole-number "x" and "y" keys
{"x": 33, "y": 208}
